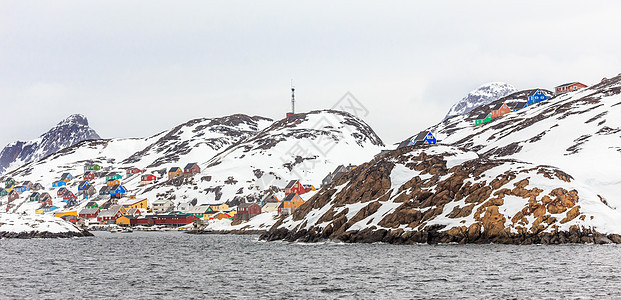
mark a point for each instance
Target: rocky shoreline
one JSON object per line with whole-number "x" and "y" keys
{"x": 44, "y": 234}
{"x": 238, "y": 232}
{"x": 434, "y": 236}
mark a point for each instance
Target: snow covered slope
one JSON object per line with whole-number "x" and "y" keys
{"x": 545, "y": 174}
{"x": 239, "y": 156}
{"x": 484, "y": 94}
{"x": 25, "y": 226}
{"x": 66, "y": 133}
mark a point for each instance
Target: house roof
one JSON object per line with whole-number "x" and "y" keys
{"x": 162, "y": 201}
{"x": 132, "y": 201}
{"x": 566, "y": 84}
{"x": 291, "y": 183}
{"x": 421, "y": 136}
{"x": 65, "y": 175}
{"x": 404, "y": 143}
{"x": 270, "y": 196}
{"x": 190, "y": 165}
{"x": 290, "y": 197}
{"x": 498, "y": 106}
{"x": 517, "y": 105}
{"x": 89, "y": 211}
{"x": 482, "y": 116}
{"x": 200, "y": 209}
{"x": 271, "y": 205}
{"x": 111, "y": 211}
{"x": 174, "y": 169}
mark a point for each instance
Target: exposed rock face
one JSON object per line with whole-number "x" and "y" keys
{"x": 482, "y": 95}
{"x": 419, "y": 195}
{"x": 44, "y": 234}
{"x": 65, "y": 134}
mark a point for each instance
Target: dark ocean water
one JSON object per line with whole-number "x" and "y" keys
{"x": 173, "y": 265}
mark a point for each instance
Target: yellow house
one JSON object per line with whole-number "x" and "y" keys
{"x": 290, "y": 204}
{"x": 66, "y": 213}
{"x": 39, "y": 211}
{"x": 174, "y": 172}
{"x": 10, "y": 189}
{"x": 113, "y": 182}
{"x": 133, "y": 203}
{"x": 231, "y": 213}
{"x": 219, "y": 207}
{"x": 124, "y": 220}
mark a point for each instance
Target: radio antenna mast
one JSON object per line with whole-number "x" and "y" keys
{"x": 292, "y": 98}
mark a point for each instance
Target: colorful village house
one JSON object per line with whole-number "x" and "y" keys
{"x": 269, "y": 198}
{"x": 537, "y": 96}
{"x": 270, "y": 207}
{"x": 118, "y": 191}
{"x": 13, "y": 195}
{"x": 45, "y": 196}
{"x": 83, "y": 185}
{"x": 290, "y": 204}
{"x": 110, "y": 215}
{"x": 191, "y": 169}
{"x": 58, "y": 183}
{"x": 91, "y": 204}
{"x": 174, "y": 172}
{"x": 482, "y": 119}
{"x": 422, "y": 138}
{"x": 161, "y": 206}
{"x": 105, "y": 190}
{"x": 3, "y": 192}
{"x": 125, "y": 221}
{"x": 219, "y": 207}
{"x": 500, "y": 110}
{"x": 28, "y": 184}
{"x": 88, "y": 192}
{"x": 134, "y": 203}
{"x": 66, "y": 177}
{"x": 113, "y": 182}
{"x": 294, "y": 187}
{"x": 20, "y": 189}
{"x": 89, "y": 213}
{"x": 70, "y": 198}
{"x": 61, "y": 191}
{"x": 134, "y": 171}
{"x": 247, "y": 211}
{"x": 89, "y": 175}
{"x": 200, "y": 211}
{"x": 114, "y": 177}
{"x": 37, "y": 187}
{"x": 9, "y": 182}
{"x": 220, "y": 216}
{"x": 92, "y": 167}
{"x": 147, "y": 178}
{"x": 569, "y": 87}
{"x": 516, "y": 106}
{"x": 34, "y": 197}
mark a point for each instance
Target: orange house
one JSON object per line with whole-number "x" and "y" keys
{"x": 113, "y": 182}
{"x": 290, "y": 204}
{"x": 174, "y": 172}
{"x": 500, "y": 110}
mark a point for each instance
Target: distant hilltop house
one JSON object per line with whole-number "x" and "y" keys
{"x": 191, "y": 169}
{"x": 66, "y": 177}
{"x": 482, "y": 119}
{"x": 114, "y": 177}
{"x": 58, "y": 183}
{"x": 537, "y": 96}
{"x": 569, "y": 87}
{"x": 332, "y": 176}
{"x": 500, "y": 110}
{"x": 515, "y": 106}
{"x": 89, "y": 175}
{"x": 92, "y": 167}
{"x": 174, "y": 172}
{"x": 147, "y": 178}
{"x": 422, "y": 138}
{"x": 134, "y": 171}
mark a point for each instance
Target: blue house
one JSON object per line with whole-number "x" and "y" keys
{"x": 48, "y": 209}
{"x": 420, "y": 139}
{"x": 21, "y": 189}
{"x": 58, "y": 183}
{"x": 537, "y": 96}
{"x": 118, "y": 190}
{"x": 83, "y": 185}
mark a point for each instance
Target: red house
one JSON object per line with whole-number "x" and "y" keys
{"x": 148, "y": 178}
{"x": 135, "y": 171}
{"x": 294, "y": 186}
{"x": 61, "y": 191}
{"x": 246, "y": 211}
{"x": 171, "y": 220}
{"x": 88, "y": 213}
{"x": 568, "y": 87}
{"x": 13, "y": 195}
{"x": 191, "y": 168}
{"x": 89, "y": 175}
{"x": 500, "y": 110}
{"x": 69, "y": 195}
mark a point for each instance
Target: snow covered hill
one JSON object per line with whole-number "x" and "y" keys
{"x": 65, "y": 134}
{"x": 484, "y": 94}
{"x": 545, "y": 174}
{"x": 241, "y": 157}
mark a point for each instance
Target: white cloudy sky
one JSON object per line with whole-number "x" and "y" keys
{"x": 135, "y": 68}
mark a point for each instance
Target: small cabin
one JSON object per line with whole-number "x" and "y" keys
{"x": 114, "y": 177}
{"x": 13, "y": 195}
{"x": 3, "y": 192}
{"x": 247, "y": 211}
{"x": 569, "y": 87}
{"x": 58, "y": 183}
{"x": 174, "y": 172}
{"x": 422, "y": 138}
{"x": 9, "y": 182}
{"x": 37, "y": 187}
{"x": 34, "y": 197}
{"x": 113, "y": 182}
{"x": 270, "y": 198}
{"x": 89, "y": 175}
{"x": 290, "y": 204}
{"x": 45, "y": 197}
{"x": 135, "y": 171}
{"x": 148, "y": 178}
{"x": 66, "y": 177}
{"x": 28, "y": 184}
{"x": 83, "y": 185}
{"x": 482, "y": 119}
{"x": 500, "y": 110}
{"x": 105, "y": 190}
{"x": 61, "y": 191}
{"x": 294, "y": 187}
{"x": 118, "y": 191}
{"x": 69, "y": 195}
{"x": 191, "y": 169}
{"x": 537, "y": 96}
{"x": 88, "y": 192}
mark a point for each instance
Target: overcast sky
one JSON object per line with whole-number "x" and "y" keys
{"x": 135, "y": 68}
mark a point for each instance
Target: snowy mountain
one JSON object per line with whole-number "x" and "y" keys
{"x": 241, "y": 157}
{"x": 482, "y": 95}
{"x": 545, "y": 174}
{"x": 65, "y": 134}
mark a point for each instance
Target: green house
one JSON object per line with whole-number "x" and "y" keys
{"x": 113, "y": 177}
{"x": 96, "y": 167}
{"x": 9, "y": 183}
{"x": 482, "y": 118}
{"x": 34, "y": 197}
